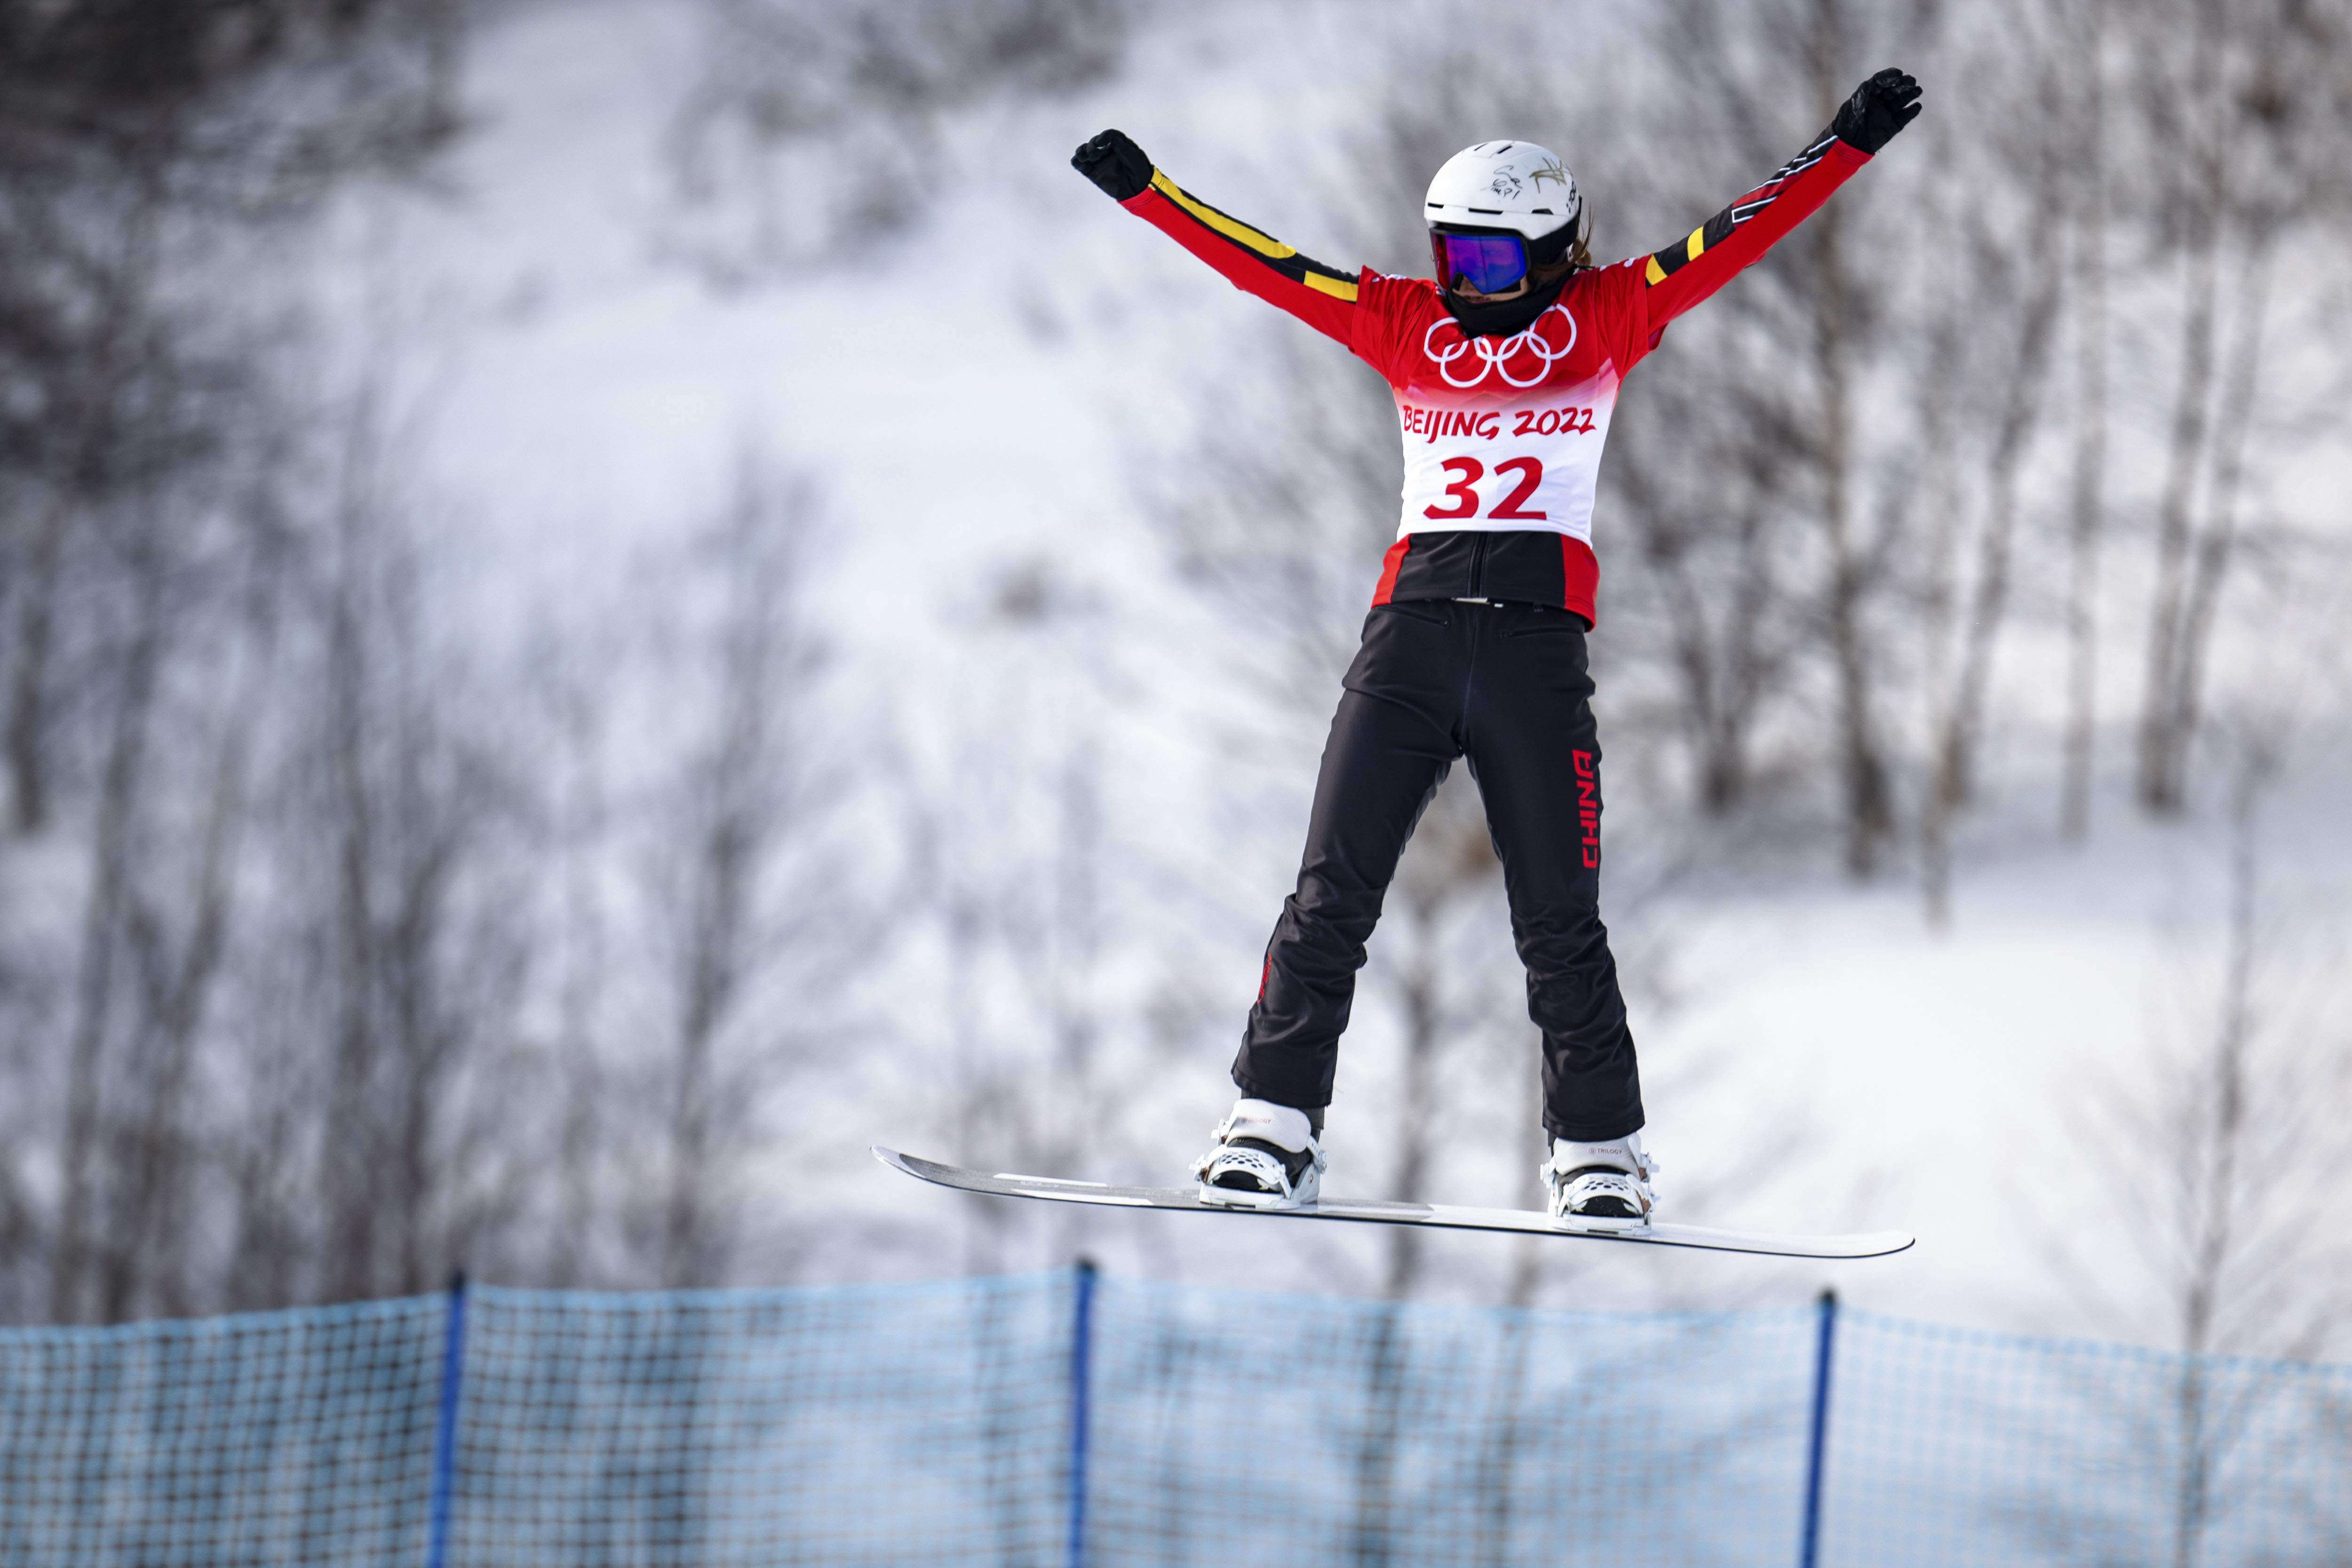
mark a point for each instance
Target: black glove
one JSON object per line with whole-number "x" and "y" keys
{"x": 1878, "y": 108}
{"x": 1117, "y": 165}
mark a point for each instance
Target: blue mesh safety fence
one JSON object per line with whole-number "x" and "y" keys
{"x": 1951, "y": 1447}
{"x": 300, "y": 1437}
{"x": 957, "y": 1423}
{"x": 1290, "y": 1430}
{"x": 883, "y": 1425}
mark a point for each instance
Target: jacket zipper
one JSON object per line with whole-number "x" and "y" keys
{"x": 1478, "y": 567}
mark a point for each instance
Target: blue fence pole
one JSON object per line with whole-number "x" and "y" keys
{"x": 1817, "y": 1449}
{"x": 444, "y": 1436}
{"x": 1082, "y": 1338}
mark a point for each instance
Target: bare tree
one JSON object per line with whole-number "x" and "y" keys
{"x": 2088, "y": 29}
{"x": 583, "y": 826}
{"x": 2200, "y": 135}
{"x": 142, "y": 149}
{"x": 746, "y": 793}
{"x": 1771, "y": 411}
{"x": 814, "y": 121}
{"x": 2225, "y": 1170}
{"x": 2238, "y": 103}
{"x": 97, "y": 378}
{"x": 95, "y": 986}
{"x": 1024, "y": 871}
{"x": 1869, "y": 809}
{"x": 1701, "y": 493}
{"x": 2012, "y": 278}
{"x": 420, "y": 961}
{"x": 178, "y": 936}
{"x": 185, "y": 569}
{"x": 134, "y": 138}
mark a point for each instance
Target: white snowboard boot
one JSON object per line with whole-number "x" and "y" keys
{"x": 1266, "y": 1157}
{"x": 1600, "y": 1186}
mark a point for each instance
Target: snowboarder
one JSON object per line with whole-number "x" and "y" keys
{"x": 1505, "y": 369}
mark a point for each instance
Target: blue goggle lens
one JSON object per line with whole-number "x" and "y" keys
{"x": 1489, "y": 263}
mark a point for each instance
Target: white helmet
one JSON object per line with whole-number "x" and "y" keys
{"x": 1513, "y": 185}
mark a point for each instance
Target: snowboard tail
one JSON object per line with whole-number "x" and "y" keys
{"x": 1443, "y": 1216}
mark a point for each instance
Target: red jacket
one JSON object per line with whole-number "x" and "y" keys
{"x": 1503, "y": 434}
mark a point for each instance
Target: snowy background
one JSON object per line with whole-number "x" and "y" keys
{"x": 724, "y": 606}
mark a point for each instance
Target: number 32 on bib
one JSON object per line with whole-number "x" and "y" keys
{"x": 1463, "y": 494}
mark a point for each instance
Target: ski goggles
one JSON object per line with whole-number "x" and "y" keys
{"x": 1489, "y": 263}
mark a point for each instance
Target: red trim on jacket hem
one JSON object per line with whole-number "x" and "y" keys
{"x": 1390, "y": 564}
{"x": 1580, "y": 575}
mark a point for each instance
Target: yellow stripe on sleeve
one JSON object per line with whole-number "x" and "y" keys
{"x": 1696, "y": 245}
{"x": 1337, "y": 287}
{"x": 1653, "y": 274}
{"x": 1265, "y": 245}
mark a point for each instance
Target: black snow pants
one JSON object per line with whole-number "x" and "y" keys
{"x": 1506, "y": 687}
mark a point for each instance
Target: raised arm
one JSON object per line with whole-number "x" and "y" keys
{"x": 1323, "y": 297}
{"x": 1711, "y": 255}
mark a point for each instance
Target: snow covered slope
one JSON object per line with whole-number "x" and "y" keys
{"x": 973, "y": 396}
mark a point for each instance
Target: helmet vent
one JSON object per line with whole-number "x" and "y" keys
{"x": 1490, "y": 211}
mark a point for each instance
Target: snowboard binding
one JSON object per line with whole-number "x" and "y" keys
{"x": 1265, "y": 1156}
{"x": 1601, "y": 1188}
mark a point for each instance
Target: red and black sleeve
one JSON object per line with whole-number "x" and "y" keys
{"x": 1711, "y": 255}
{"x": 1322, "y": 297}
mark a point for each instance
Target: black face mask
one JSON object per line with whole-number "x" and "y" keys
{"x": 1505, "y": 317}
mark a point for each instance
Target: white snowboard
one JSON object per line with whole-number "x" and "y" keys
{"x": 1871, "y": 1244}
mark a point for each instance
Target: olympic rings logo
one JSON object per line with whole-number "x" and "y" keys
{"x": 1494, "y": 355}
